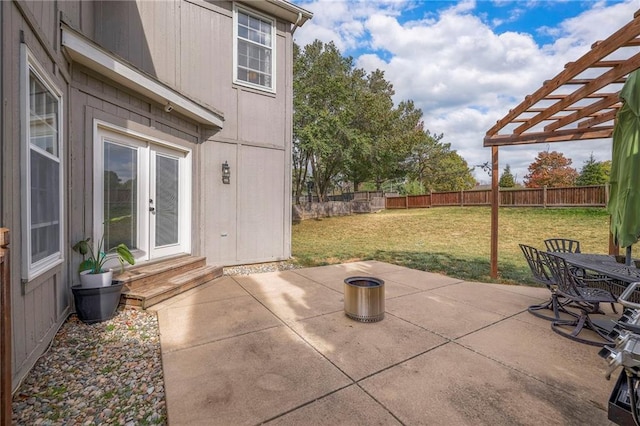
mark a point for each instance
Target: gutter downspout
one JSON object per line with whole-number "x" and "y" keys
{"x": 297, "y": 24}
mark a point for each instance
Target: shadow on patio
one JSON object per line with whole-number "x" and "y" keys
{"x": 277, "y": 348}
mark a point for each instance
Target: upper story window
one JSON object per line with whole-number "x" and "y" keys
{"x": 42, "y": 180}
{"x": 254, "y": 58}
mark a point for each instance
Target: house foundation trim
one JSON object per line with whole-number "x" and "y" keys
{"x": 85, "y": 52}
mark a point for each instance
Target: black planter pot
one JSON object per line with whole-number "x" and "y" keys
{"x": 97, "y": 304}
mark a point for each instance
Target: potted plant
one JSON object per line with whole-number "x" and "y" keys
{"x": 91, "y": 270}
{"x": 97, "y": 301}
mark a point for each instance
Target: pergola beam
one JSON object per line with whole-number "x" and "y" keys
{"x": 605, "y": 79}
{"x": 607, "y": 102}
{"x": 625, "y": 36}
{"x": 606, "y": 64}
{"x": 577, "y": 81}
{"x": 598, "y": 119}
{"x": 546, "y": 137}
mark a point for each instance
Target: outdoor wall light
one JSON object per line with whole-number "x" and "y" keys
{"x": 226, "y": 173}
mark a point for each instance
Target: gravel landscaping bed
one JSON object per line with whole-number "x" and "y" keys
{"x": 260, "y": 268}
{"x": 105, "y": 373}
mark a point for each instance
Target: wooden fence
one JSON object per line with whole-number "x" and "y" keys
{"x": 575, "y": 196}
{"x": 5, "y": 330}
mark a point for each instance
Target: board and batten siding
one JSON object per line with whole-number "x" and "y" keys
{"x": 188, "y": 45}
{"x": 97, "y": 98}
{"x": 40, "y": 305}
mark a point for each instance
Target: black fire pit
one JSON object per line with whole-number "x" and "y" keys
{"x": 364, "y": 298}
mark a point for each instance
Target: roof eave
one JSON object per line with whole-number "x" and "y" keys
{"x": 282, "y": 9}
{"x": 82, "y": 50}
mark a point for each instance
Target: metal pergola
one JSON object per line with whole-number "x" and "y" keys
{"x": 580, "y": 103}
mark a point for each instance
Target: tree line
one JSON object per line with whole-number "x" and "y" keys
{"x": 347, "y": 131}
{"x": 553, "y": 169}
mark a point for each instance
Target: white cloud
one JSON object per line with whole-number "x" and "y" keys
{"x": 461, "y": 72}
{"x": 343, "y": 21}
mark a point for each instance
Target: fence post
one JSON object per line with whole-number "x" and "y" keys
{"x": 462, "y": 198}
{"x": 606, "y": 194}
{"x": 406, "y": 201}
{"x": 544, "y": 196}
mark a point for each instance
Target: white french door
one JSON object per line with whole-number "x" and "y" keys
{"x": 164, "y": 203}
{"x": 142, "y": 194}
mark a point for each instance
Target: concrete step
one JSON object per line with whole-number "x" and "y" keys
{"x": 153, "y": 292}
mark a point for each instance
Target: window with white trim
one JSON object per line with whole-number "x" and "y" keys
{"x": 42, "y": 194}
{"x": 254, "y": 55}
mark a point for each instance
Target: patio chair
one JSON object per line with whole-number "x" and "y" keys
{"x": 562, "y": 245}
{"x": 542, "y": 275}
{"x": 583, "y": 296}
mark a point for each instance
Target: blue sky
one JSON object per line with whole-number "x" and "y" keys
{"x": 466, "y": 63}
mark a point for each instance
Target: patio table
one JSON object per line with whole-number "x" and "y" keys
{"x": 603, "y": 264}
{"x": 606, "y": 265}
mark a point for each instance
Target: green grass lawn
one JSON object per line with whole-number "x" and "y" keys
{"x": 450, "y": 240}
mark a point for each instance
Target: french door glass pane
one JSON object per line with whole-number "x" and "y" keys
{"x": 166, "y": 202}
{"x": 120, "y": 196}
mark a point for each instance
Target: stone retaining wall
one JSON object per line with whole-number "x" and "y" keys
{"x": 335, "y": 208}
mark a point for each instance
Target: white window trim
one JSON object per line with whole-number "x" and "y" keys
{"x": 248, "y": 11}
{"x": 30, "y": 270}
{"x": 98, "y": 182}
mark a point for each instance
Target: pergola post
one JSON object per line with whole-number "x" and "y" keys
{"x": 495, "y": 203}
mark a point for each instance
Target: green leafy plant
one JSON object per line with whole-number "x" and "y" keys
{"x": 93, "y": 261}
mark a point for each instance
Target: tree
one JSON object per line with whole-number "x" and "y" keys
{"x": 323, "y": 105}
{"x": 346, "y": 128}
{"x": 412, "y": 187}
{"x": 390, "y": 152}
{"x": 345, "y": 125}
{"x": 550, "y": 169}
{"x": 594, "y": 172}
{"x": 372, "y": 124}
{"x": 454, "y": 175}
{"x": 507, "y": 180}
{"x": 437, "y": 167}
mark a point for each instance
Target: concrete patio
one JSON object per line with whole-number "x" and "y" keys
{"x": 277, "y": 348}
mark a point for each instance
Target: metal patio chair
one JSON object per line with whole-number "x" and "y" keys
{"x": 562, "y": 245}
{"x": 542, "y": 275}
{"x": 583, "y": 295}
